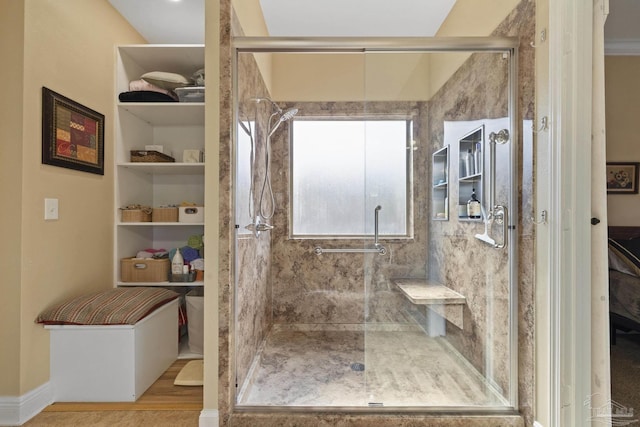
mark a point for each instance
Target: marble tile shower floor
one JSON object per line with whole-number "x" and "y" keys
{"x": 401, "y": 368}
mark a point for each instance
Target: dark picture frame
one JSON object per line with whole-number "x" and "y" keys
{"x": 72, "y": 134}
{"x": 622, "y": 177}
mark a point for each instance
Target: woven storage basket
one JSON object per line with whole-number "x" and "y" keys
{"x": 165, "y": 214}
{"x": 150, "y": 156}
{"x": 144, "y": 270}
{"x": 135, "y": 215}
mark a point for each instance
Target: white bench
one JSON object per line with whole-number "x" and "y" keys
{"x": 112, "y": 362}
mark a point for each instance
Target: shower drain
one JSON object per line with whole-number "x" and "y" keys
{"x": 359, "y": 367}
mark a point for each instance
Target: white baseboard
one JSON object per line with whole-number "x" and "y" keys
{"x": 209, "y": 418}
{"x": 15, "y": 411}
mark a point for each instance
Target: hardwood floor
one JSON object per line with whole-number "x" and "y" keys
{"x": 161, "y": 396}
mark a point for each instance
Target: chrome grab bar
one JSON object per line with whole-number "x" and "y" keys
{"x": 375, "y": 225}
{"x": 498, "y": 213}
{"x": 378, "y": 247}
{"x": 380, "y": 250}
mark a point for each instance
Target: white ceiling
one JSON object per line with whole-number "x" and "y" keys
{"x": 165, "y": 21}
{"x": 182, "y": 21}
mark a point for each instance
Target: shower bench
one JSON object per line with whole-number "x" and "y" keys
{"x": 437, "y": 298}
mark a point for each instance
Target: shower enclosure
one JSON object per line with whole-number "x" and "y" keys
{"x": 361, "y": 280}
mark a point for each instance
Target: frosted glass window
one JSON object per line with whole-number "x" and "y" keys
{"x": 342, "y": 169}
{"x": 243, "y": 175}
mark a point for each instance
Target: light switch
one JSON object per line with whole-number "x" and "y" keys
{"x": 50, "y": 209}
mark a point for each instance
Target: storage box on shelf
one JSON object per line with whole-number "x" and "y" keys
{"x": 165, "y": 214}
{"x": 135, "y": 215}
{"x": 184, "y": 278}
{"x": 191, "y": 214}
{"x": 190, "y": 94}
{"x": 144, "y": 270}
{"x": 150, "y": 156}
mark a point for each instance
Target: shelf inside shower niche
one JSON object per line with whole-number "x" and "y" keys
{"x": 436, "y": 297}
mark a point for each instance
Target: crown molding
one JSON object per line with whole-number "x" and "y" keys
{"x": 625, "y": 47}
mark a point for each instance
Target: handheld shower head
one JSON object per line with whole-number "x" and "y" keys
{"x": 284, "y": 116}
{"x": 288, "y": 115}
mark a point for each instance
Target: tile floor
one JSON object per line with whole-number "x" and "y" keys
{"x": 402, "y": 368}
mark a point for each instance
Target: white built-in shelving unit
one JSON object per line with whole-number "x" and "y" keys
{"x": 176, "y": 126}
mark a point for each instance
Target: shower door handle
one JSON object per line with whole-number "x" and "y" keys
{"x": 501, "y": 216}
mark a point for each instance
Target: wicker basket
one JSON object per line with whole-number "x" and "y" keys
{"x": 144, "y": 270}
{"x": 168, "y": 214}
{"x": 136, "y": 215}
{"x": 150, "y": 156}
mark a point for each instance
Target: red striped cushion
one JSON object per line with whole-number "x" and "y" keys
{"x": 117, "y": 306}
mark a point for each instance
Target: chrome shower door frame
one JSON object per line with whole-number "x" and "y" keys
{"x": 507, "y": 46}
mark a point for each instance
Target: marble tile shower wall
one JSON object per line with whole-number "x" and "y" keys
{"x": 336, "y": 288}
{"x": 477, "y": 91}
{"x": 253, "y": 290}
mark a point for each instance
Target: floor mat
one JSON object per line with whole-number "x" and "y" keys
{"x": 191, "y": 374}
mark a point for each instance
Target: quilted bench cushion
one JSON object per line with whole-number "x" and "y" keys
{"x": 117, "y": 306}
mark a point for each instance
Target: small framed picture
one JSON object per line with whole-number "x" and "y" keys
{"x": 622, "y": 177}
{"x": 72, "y": 134}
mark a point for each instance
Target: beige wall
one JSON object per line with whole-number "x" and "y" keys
{"x": 411, "y": 77}
{"x": 69, "y": 48}
{"x": 11, "y": 51}
{"x": 622, "y": 91}
{"x": 340, "y": 77}
{"x": 350, "y": 77}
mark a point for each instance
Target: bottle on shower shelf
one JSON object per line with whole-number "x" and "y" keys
{"x": 477, "y": 157}
{"x": 473, "y": 206}
{"x": 469, "y": 163}
{"x": 177, "y": 263}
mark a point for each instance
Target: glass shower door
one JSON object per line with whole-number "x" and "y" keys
{"x": 439, "y": 294}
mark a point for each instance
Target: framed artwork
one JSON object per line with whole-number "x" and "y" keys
{"x": 72, "y": 134}
{"x": 622, "y": 177}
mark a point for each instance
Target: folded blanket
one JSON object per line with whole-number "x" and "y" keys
{"x": 145, "y": 96}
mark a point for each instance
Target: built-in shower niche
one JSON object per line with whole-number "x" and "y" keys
{"x": 470, "y": 171}
{"x": 440, "y": 184}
